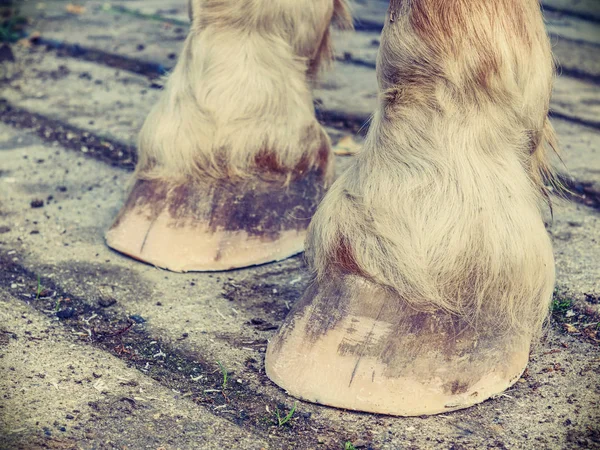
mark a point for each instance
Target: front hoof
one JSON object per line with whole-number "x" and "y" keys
{"x": 216, "y": 225}
{"x": 352, "y": 344}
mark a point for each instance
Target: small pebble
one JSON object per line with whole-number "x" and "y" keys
{"x": 65, "y": 313}
{"x": 106, "y": 302}
{"x": 137, "y": 319}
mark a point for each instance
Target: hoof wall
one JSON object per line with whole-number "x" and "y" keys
{"x": 215, "y": 226}
{"x": 351, "y": 344}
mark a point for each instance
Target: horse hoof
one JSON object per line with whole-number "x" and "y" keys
{"x": 216, "y": 225}
{"x": 352, "y": 344}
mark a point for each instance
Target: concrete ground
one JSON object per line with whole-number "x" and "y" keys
{"x": 98, "y": 351}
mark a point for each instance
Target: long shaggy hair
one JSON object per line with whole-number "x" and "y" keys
{"x": 240, "y": 93}
{"x": 443, "y": 204}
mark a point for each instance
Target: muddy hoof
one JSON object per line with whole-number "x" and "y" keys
{"x": 351, "y": 344}
{"x": 216, "y": 226}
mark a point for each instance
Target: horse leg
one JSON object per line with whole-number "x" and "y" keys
{"x": 232, "y": 161}
{"x": 433, "y": 268}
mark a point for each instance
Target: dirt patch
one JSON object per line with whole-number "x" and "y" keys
{"x": 262, "y": 208}
{"x": 583, "y": 193}
{"x": 271, "y": 290}
{"x": 54, "y": 131}
{"x": 576, "y": 318}
{"x": 355, "y": 124}
{"x": 5, "y": 337}
{"x": 37, "y": 443}
{"x": 63, "y": 49}
{"x": 127, "y": 338}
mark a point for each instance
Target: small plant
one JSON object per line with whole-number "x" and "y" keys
{"x": 39, "y": 288}
{"x": 12, "y": 24}
{"x": 281, "y": 421}
{"x": 561, "y": 305}
{"x": 348, "y": 446}
{"x": 225, "y": 375}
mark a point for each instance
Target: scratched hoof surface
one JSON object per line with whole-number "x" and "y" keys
{"x": 352, "y": 344}
{"x": 217, "y": 225}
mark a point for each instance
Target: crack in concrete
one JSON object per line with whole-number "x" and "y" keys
{"x": 52, "y": 131}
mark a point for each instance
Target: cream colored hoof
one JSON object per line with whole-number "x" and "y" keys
{"x": 351, "y": 344}
{"x": 219, "y": 225}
